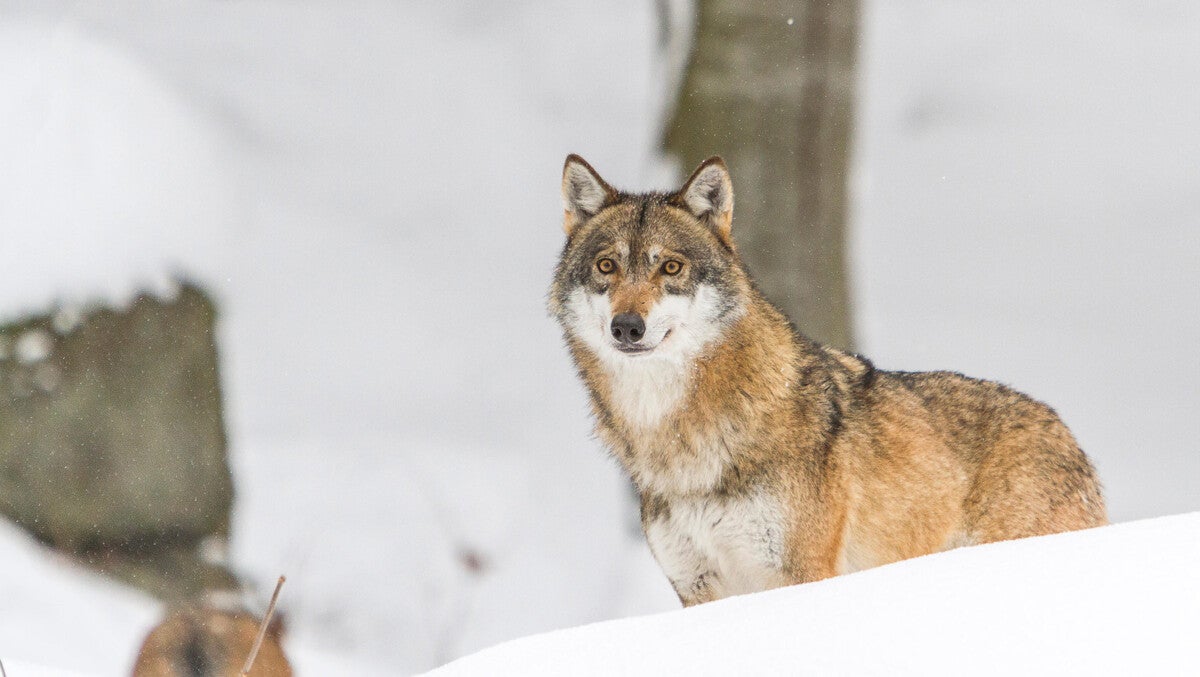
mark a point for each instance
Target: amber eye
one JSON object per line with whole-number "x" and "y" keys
{"x": 606, "y": 266}
{"x": 672, "y": 267}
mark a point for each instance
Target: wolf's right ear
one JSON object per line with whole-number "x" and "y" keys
{"x": 584, "y": 192}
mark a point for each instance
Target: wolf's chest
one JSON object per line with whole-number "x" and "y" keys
{"x": 727, "y": 546}
{"x": 644, "y": 394}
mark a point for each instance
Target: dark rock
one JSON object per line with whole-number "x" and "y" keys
{"x": 111, "y": 428}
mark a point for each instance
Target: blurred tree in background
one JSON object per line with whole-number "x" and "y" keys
{"x": 770, "y": 87}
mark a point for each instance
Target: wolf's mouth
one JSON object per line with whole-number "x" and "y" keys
{"x": 634, "y": 349}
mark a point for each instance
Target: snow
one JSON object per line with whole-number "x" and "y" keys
{"x": 388, "y": 575}
{"x": 110, "y": 177}
{"x": 23, "y": 669}
{"x": 1116, "y": 600}
{"x": 372, "y": 194}
{"x": 33, "y": 345}
{"x": 50, "y": 607}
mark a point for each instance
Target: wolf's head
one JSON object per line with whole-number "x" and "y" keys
{"x": 647, "y": 277}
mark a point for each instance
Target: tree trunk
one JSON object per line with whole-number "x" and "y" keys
{"x": 770, "y": 88}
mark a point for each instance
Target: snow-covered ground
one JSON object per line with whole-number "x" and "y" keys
{"x": 53, "y": 612}
{"x": 1119, "y": 600}
{"x": 371, "y": 189}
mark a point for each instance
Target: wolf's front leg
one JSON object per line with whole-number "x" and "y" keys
{"x": 698, "y": 591}
{"x": 691, "y": 570}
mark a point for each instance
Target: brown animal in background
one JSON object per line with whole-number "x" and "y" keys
{"x": 762, "y": 458}
{"x": 208, "y": 642}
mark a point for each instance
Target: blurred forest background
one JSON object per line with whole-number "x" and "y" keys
{"x": 255, "y": 319}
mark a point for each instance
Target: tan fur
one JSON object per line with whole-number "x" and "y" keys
{"x": 210, "y": 642}
{"x": 636, "y": 297}
{"x": 836, "y": 465}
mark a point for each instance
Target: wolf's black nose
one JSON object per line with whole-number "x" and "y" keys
{"x": 628, "y": 328}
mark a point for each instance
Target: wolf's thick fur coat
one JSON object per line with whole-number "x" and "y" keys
{"x": 762, "y": 458}
{"x": 203, "y": 641}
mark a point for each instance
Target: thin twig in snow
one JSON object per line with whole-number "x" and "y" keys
{"x": 262, "y": 629}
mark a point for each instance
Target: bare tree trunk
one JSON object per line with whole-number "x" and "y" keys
{"x": 770, "y": 88}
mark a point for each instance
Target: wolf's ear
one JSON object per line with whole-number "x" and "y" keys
{"x": 584, "y": 192}
{"x": 708, "y": 195}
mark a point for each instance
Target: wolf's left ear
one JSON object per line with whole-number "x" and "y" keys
{"x": 708, "y": 195}
{"x": 584, "y": 193}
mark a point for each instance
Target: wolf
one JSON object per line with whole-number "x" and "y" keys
{"x": 763, "y": 459}
{"x": 206, "y": 640}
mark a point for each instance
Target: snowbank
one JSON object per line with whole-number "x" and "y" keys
{"x": 1123, "y": 599}
{"x": 22, "y": 669}
{"x": 56, "y": 613}
{"x": 110, "y": 178}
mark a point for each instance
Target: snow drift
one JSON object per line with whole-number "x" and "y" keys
{"x": 1123, "y": 599}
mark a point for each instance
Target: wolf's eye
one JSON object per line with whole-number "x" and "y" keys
{"x": 672, "y": 267}
{"x": 606, "y": 266}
